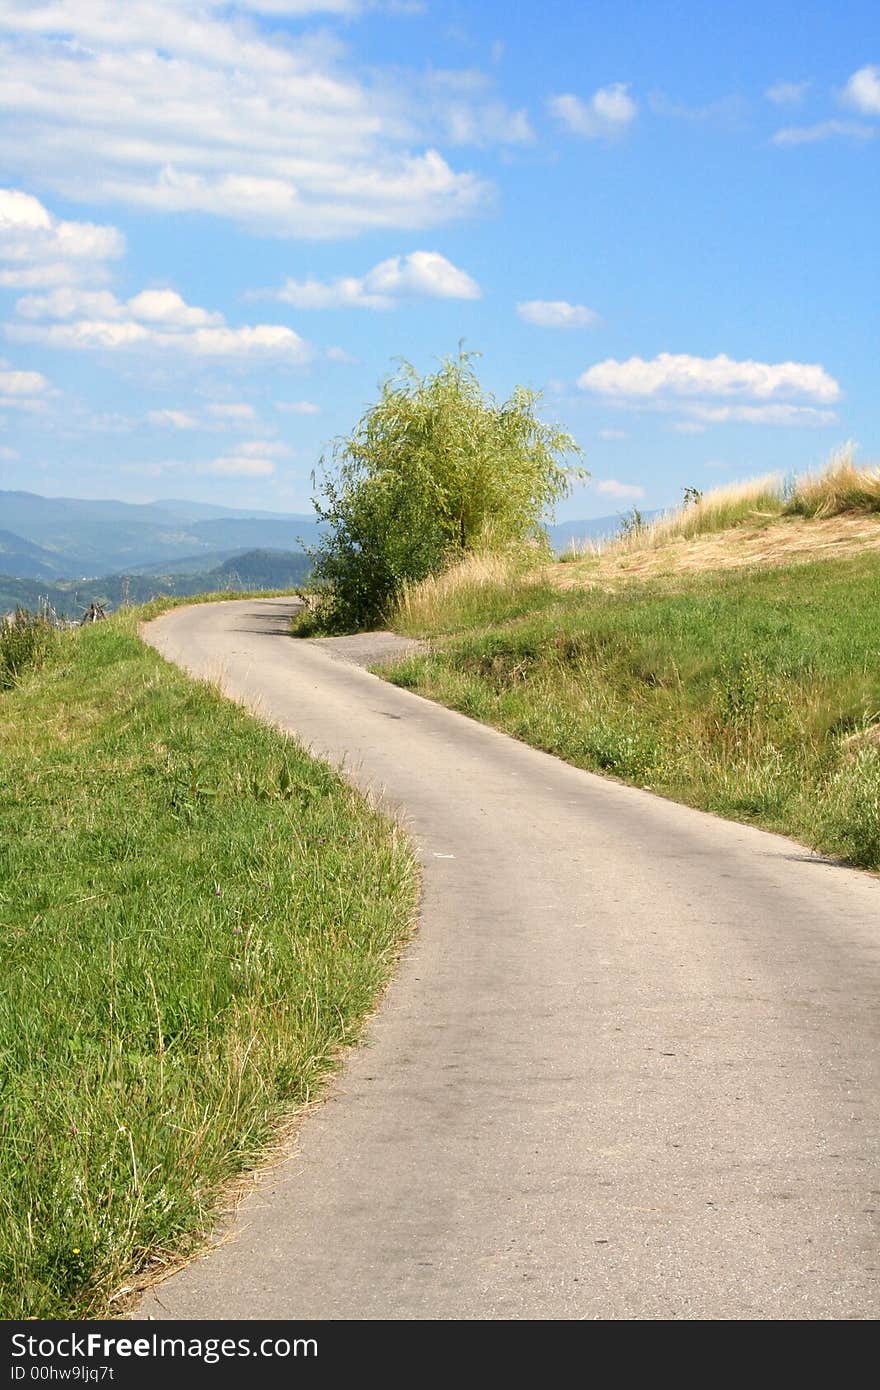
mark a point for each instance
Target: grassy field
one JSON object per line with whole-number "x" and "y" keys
{"x": 754, "y": 693}
{"x": 194, "y": 919}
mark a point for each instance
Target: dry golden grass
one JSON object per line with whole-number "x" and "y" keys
{"x": 841, "y": 488}
{"x": 784, "y": 541}
{"x": 421, "y": 604}
{"x": 756, "y": 522}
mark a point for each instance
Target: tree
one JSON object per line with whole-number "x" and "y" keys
{"x": 434, "y": 469}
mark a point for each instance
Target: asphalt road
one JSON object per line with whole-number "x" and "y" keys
{"x": 628, "y": 1069}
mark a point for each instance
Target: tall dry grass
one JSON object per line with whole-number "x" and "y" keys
{"x": 756, "y": 500}
{"x": 839, "y": 488}
{"x": 450, "y": 598}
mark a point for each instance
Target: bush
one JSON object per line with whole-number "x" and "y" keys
{"x": 434, "y": 470}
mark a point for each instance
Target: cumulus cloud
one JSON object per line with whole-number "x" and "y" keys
{"x": 671, "y": 374}
{"x": 420, "y": 275}
{"x": 38, "y": 250}
{"x": 156, "y": 318}
{"x": 22, "y": 390}
{"x": 14, "y": 383}
{"x": 862, "y": 91}
{"x": 179, "y": 106}
{"x": 608, "y": 112}
{"x": 298, "y": 407}
{"x": 167, "y": 307}
{"x": 556, "y": 313}
{"x": 612, "y": 488}
{"x": 787, "y": 93}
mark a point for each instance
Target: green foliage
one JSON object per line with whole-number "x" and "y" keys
{"x": 692, "y": 497}
{"x": 194, "y": 918}
{"x": 631, "y": 523}
{"x": 752, "y": 694}
{"x": 434, "y": 469}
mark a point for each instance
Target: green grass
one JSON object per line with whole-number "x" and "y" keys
{"x": 27, "y": 640}
{"x": 195, "y": 918}
{"x": 752, "y": 694}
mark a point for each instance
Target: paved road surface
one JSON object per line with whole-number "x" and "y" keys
{"x": 629, "y": 1068}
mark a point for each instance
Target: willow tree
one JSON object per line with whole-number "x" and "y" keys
{"x": 437, "y": 467}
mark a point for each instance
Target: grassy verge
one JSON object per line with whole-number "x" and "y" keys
{"x": 755, "y": 694}
{"x": 194, "y": 918}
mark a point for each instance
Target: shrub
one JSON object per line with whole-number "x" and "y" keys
{"x": 434, "y": 470}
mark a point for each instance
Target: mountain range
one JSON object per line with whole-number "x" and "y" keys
{"x": 71, "y": 550}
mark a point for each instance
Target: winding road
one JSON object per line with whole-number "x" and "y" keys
{"x": 628, "y": 1069}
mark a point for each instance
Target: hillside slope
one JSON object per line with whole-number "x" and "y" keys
{"x": 735, "y": 671}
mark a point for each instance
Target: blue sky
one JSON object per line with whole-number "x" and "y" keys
{"x": 220, "y": 223}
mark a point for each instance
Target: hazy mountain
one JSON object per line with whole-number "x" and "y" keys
{"x": 46, "y": 538}
{"x": 30, "y": 561}
{"x": 103, "y": 537}
{"x": 255, "y": 569}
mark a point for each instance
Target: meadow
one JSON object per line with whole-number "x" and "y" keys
{"x": 195, "y": 920}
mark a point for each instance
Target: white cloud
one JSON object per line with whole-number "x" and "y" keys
{"x": 177, "y": 419}
{"x": 823, "y": 130}
{"x": 607, "y": 113}
{"x": 97, "y": 320}
{"x": 612, "y": 488}
{"x": 863, "y": 91}
{"x": 167, "y": 307}
{"x": 688, "y": 427}
{"x": 787, "y": 93}
{"x": 38, "y": 250}
{"x": 237, "y": 411}
{"x": 613, "y": 434}
{"x": 179, "y": 106}
{"x": 298, "y": 407}
{"x": 237, "y": 466}
{"x": 68, "y": 303}
{"x": 556, "y": 313}
{"x": 14, "y": 383}
{"x": 671, "y": 374}
{"x": 264, "y": 448}
{"x": 420, "y": 275}
{"x": 9, "y": 454}
{"x": 462, "y": 105}
{"x": 793, "y": 416}
{"x": 22, "y": 390}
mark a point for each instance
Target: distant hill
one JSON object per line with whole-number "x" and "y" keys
{"x": 29, "y": 561}
{"x": 256, "y": 569}
{"x": 84, "y": 537}
{"x": 106, "y": 537}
